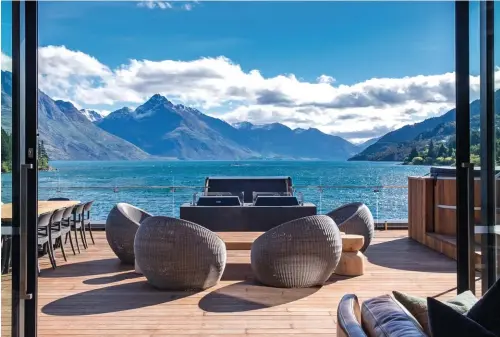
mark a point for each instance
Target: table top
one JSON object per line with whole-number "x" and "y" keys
{"x": 44, "y": 206}
{"x": 244, "y": 240}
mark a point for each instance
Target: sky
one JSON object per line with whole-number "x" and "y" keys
{"x": 353, "y": 69}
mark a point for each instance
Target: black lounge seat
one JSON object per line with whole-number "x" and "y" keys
{"x": 218, "y": 200}
{"x": 273, "y": 200}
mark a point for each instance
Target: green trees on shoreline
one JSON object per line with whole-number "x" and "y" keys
{"x": 444, "y": 153}
{"x": 6, "y": 153}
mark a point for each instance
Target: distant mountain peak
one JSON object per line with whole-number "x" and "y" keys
{"x": 65, "y": 105}
{"x": 273, "y": 126}
{"x": 120, "y": 113}
{"x": 243, "y": 125}
{"x": 156, "y": 103}
{"x": 92, "y": 115}
{"x": 157, "y": 99}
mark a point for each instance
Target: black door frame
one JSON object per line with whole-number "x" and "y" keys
{"x": 31, "y": 31}
{"x": 488, "y": 149}
{"x": 466, "y": 226}
{"x": 24, "y": 168}
{"x": 464, "y": 169}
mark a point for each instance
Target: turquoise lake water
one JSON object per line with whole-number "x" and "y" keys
{"x": 147, "y": 184}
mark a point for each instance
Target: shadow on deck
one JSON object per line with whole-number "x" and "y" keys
{"x": 104, "y": 297}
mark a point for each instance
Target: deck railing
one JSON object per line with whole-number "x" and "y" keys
{"x": 387, "y": 202}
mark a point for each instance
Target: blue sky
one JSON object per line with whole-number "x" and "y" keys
{"x": 354, "y": 41}
{"x": 332, "y": 49}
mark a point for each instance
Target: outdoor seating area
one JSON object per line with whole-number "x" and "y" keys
{"x": 153, "y": 275}
{"x": 95, "y": 287}
{"x": 175, "y": 254}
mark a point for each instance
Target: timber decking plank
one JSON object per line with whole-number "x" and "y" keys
{"x": 93, "y": 294}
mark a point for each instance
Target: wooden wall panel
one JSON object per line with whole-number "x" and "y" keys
{"x": 420, "y": 207}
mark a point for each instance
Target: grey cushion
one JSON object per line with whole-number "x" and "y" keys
{"x": 417, "y": 306}
{"x": 383, "y": 316}
{"x": 445, "y": 322}
{"x": 349, "y": 317}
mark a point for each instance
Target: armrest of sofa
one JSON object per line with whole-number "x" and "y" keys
{"x": 349, "y": 317}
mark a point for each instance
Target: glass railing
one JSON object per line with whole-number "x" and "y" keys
{"x": 387, "y": 202}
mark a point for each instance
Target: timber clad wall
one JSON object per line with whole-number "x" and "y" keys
{"x": 432, "y": 213}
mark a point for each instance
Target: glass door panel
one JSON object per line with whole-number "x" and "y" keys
{"x": 6, "y": 162}
{"x": 19, "y": 200}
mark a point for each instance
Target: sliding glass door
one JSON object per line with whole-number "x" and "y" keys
{"x": 488, "y": 229}
{"x": 19, "y": 174}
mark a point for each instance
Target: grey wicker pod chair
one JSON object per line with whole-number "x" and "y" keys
{"x": 121, "y": 225}
{"x": 175, "y": 254}
{"x": 297, "y": 254}
{"x": 355, "y": 218}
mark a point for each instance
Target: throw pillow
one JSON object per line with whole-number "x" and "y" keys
{"x": 486, "y": 311}
{"x": 445, "y": 321}
{"x": 417, "y": 306}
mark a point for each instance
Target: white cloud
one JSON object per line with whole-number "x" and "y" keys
{"x": 6, "y": 62}
{"x": 153, "y": 4}
{"x": 325, "y": 79}
{"x": 222, "y": 88}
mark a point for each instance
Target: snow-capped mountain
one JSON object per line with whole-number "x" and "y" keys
{"x": 92, "y": 115}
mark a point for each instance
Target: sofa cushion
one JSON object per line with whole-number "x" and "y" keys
{"x": 384, "y": 316}
{"x": 349, "y": 317}
{"x": 486, "y": 311}
{"x": 445, "y": 321}
{"x": 417, "y": 306}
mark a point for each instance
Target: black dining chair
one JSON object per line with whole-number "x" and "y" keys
{"x": 44, "y": 237}
{"x": 86, "y": 220}
{"x": 58, "y": 199}
{"x": 6, "y": 250}
{"x": 66, "y": 226}
{"x": 76, "y": 225}
{"x": 56, "y": 231}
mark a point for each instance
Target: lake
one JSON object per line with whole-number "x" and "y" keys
{"x": 148, "y": 184}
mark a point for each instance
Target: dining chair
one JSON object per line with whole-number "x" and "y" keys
{"x": 86, "y": 220}
{"x": 44, "y": 237}
{"x": 6, "y": 250}
{"x": 76, "y": 225}
{"x": 66, "y": 226}
{"x": 56, "y": 231}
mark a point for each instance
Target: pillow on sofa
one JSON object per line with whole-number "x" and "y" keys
{"x": 383, "y": 316}
{"x": 486, "y": 311}
{"x": 445, "y": 321}
{"x": 417, "y": 306}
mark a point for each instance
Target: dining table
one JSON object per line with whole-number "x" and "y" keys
{"x": 44, "y": 206}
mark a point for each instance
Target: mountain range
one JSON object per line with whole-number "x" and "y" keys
{"x": 160, "y": 129}
{"x": 397, "y": 144}
{"x": 164, "y": 129}
{"x": 67, "y": 133}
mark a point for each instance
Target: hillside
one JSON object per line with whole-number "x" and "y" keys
{"x": 397, "y": 145}
{"x": 66, "y": 133}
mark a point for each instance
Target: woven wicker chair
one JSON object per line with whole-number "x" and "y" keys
{"x": 297, "y": 254}
{"x": 121, "y": 225}
{"x": 355, "y": 218}
{"x": 175, "y": 254}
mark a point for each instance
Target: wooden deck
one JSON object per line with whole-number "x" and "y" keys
{"x": 93, "y": 294}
